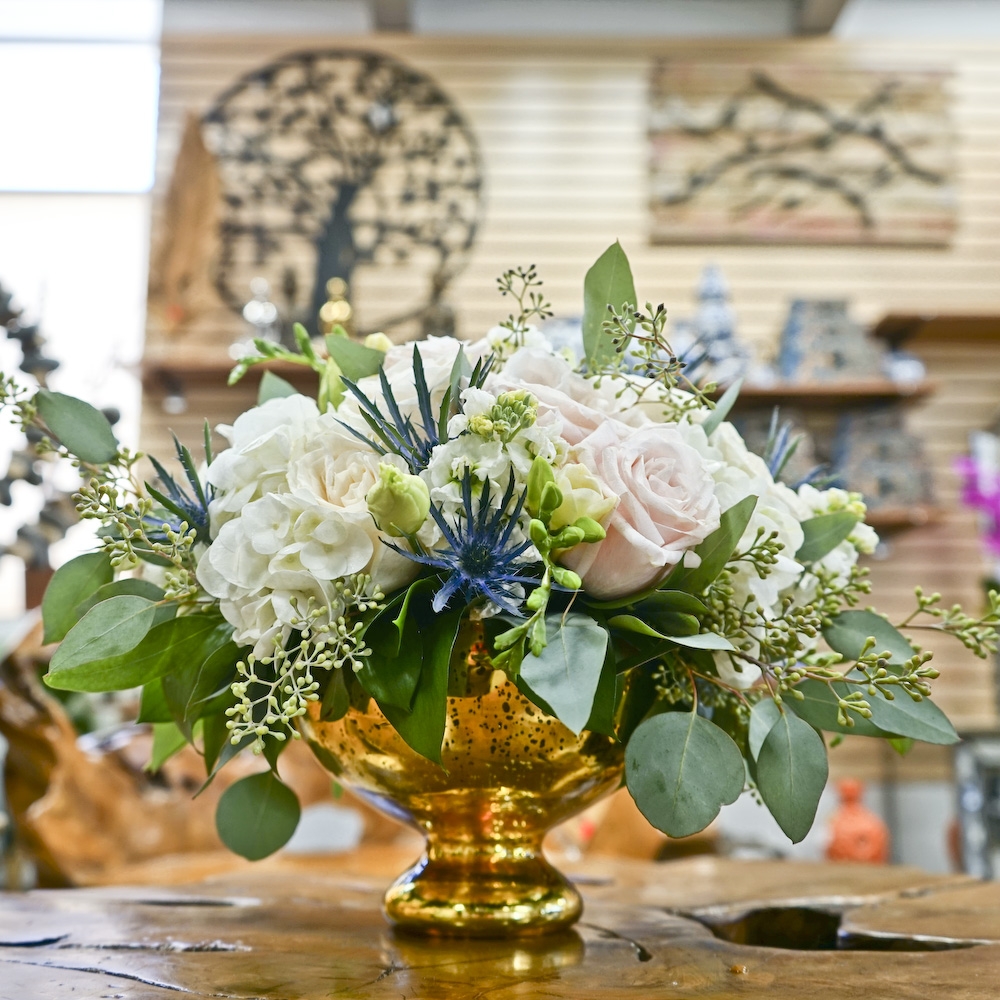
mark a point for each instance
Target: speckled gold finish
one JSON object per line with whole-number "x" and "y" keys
{"x": 510, "y": 773}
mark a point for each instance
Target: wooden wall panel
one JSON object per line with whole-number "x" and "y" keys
{"x": 563, "y": 132}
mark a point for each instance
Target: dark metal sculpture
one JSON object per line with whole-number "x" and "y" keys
{"x": 335, "y": 158}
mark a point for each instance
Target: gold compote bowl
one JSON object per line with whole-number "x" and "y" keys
{"x": 510, "y": 772}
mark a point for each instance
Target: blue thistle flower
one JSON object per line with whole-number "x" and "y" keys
{"x": 184, "y": 506}
{"x": 480, "y": 560}
{"x": 397, "y": 434}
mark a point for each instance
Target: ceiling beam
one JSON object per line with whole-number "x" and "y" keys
{"x": 817, "y": 17}
{"x": 391, "y": 15}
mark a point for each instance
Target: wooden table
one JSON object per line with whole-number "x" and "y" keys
{"x": 304, "y": 929}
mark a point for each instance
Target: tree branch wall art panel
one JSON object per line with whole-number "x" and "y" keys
{"x": 743, "y": 153}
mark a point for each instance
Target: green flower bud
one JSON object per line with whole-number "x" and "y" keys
{"x": 399, "y": 502}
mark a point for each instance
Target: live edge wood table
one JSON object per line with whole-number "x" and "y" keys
{"x": 310, "y": 930}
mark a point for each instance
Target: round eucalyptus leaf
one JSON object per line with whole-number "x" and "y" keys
{"x": 257, "y": 815}
{"x": 681, "y": 769}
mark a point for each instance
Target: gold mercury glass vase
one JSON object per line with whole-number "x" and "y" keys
{"x": 510, "y": 772}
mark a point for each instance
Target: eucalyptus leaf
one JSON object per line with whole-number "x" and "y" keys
{"x": 608, "y": 282}
{"x": 72, "y": 583}
{"x": 703, "y": 640}
{"x": 80, "y": 427}
{"x": 257, "y": 815}
{"x": 681, "y": 769}
{"x": 722, "y": 408}
{"x": 818, "y": 707}
{"x": 354, "y": 360}
{"x": 848, "y": 631}
{"x": 822, "y": 534}
{"x": 764, "y": 714}
{"x": 716, "y": 550}
{"x": 108, "y": 629}
{"x": 791, "y": 774}
{"x": 568, "y": 670}
{"x": 274, "y": 387}
{"x": 917, "y": 720}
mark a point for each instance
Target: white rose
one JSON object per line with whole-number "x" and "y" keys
{"x": 666, "y": 506}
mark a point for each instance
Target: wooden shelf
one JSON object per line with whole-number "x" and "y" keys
{"x": 895, "y": 518}
{"x": 835, "y": 394}
{"x": 899, "y": 328}
{"x": 161, "y": 368}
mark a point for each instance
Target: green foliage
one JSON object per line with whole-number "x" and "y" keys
{"x": 681, "y": 769}
{"x": 567, "y": 671}
{"x": 167, "y": 740}
{"x": 423, "y": 726}
{"x": 764, "y": 714}
{"x": 716, "y": 550}
{"x": 393, "y": 671}
{"x": 81, "y": 428}
{"x": 819, "y": 703}
{"x": 823, "y": 534}
{"x": 191, "y": 689}
{"x": 106, "y": 631}
{"x": 608, "y": 283}
{"x": 257, "y": 815}
{"x": 722, "y": 408}
{"x": 72, "y": 584}
{"x": 353, "y": 359}
{"x": 791, "y": 774}
{"x": 848, "y": 633}
{"x": 274, "y": 387}
{"x": 160, "y": 651}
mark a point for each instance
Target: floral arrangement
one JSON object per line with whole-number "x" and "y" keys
{"x": 637, "y": 571}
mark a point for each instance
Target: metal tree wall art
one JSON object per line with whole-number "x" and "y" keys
{"x": 800, "y": 154}
{"x": 333, "y": 160}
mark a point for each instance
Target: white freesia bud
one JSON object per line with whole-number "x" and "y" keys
{"x": 378, "y": 342}
{"x": 399, "y": 502}
{"x": 582, "y": 497}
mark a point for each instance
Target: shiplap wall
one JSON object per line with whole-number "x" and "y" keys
{"x": 563, "y": 132}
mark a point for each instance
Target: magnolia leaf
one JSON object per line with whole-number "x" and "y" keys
{"x": 353, "y": 359}
{"x": 391, "y": 674}
{"x": 80, "y": 427}
{"x": 72, "y": 583}
{"x": 791, "y": 774}
{"x": 167, "y": 740}
{"x": 215, "y": 738}
{"x": 336, "y": 698}
{"x": 201, "y": 678}
{"x": 608, "y": 282}
{"x": 823, "y": 534}
{"x": 848, "y": 631}
{"x": 567, "y": 672}
{"x": 423, "y": 726}
{"x": 153, "y": 705}
{"x": 676, "y": 601}
{"x": 257, "y": 815}
{"x": 108, "y": 629}
{"x": 681, "y": 769}
{"x": 274, "y": 387}
{"x": 602, "y": 714}
{"x": 716, "y": 550}
{"x": 722, "y": 408}
{"x": 764, "y": 714}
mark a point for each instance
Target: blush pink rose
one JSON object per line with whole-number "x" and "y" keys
{"x": 561, "y": 392}
{"x": 666, "y": 506}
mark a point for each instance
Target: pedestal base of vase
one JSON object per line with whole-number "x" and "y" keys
{"x": 506, "y": 893}
{"x": 508, "y": 773}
